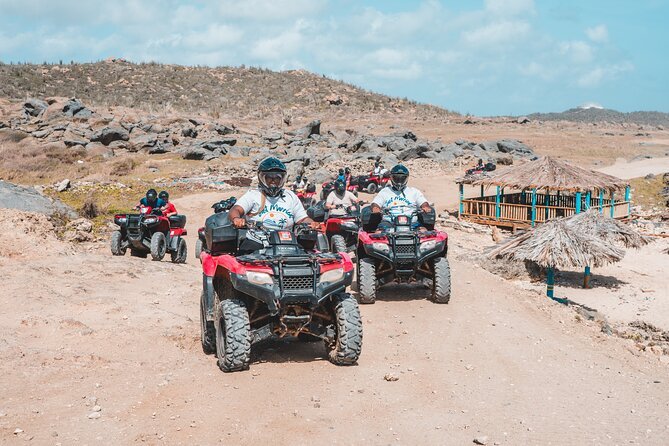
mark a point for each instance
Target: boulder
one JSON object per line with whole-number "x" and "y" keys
{"x": 189, "y": 132}
{"x": 515, "y": 148}
{"x": 195, "y": 153}
{"x": 413, "y": 152}
{"x": 110, "y": 134}
{"x": 523, "y": 120}
{"x": 63, "y": 185}
{"x": 217, "y": 143}
{"x": 28, "y": 199}
{"x": 74, "y": 108}
{"x": 313, "y": 128}
{"x": 34, "y": 107}
{"x": 406, "y": 134}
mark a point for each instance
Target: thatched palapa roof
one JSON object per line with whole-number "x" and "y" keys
{"x": 553, "y": 174}
{"x": 593, "y": 224}
{"x": 556, "y": 244}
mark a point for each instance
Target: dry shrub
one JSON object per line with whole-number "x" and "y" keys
{"x": 12, "y": 136}
{"x": 123, "y": 167}
{"x": 64, "y": 154}
{"x": 90, "y": 207}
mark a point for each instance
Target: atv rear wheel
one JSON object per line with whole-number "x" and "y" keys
{"x": 441, "y": 288}
{"x": 116, "y": 244}
{"x": 233, "y": 343}
{"x": 366, "y": 281}
{"x": 207, "y": 328}
{"x": 348, "y": 326}
{"x": 338, "y": 243}
{"x": 158, "y": 246}
{"x": 180, "y": 255}
{"x": 198, "y": 248}
{"x": 372, "y": 188}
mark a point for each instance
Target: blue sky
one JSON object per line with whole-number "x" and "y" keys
{"x": 486, "y": 57}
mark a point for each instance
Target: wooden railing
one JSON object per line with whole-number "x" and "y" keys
{"x": 485, "y": 209}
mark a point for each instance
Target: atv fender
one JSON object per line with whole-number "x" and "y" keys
{"x": 208, "y": 287}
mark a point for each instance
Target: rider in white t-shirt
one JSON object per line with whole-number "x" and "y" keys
{"x": 398, "y": 198}
{"x": 270, "y": 204}
{"x": 339, "y": 200}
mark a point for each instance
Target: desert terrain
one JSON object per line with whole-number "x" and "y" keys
{"x": 97, "y": 349}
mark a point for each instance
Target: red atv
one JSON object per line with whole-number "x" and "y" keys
{"x": 372, "y": 183}
{"x": 403, "y": 253}
{"x": 219, "y": 206}
{"x": 150, "y": 232}
{"x": 307, "y": 196}
{"x": 328, "y": 187}
{"x": 342, "y": 230}
{"x": 260, "y": 284}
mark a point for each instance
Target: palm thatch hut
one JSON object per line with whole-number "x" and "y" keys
{"x": 557, "y": 244}
{"x": 541, "y": 190}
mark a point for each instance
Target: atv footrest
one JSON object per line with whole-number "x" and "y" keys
{"x": 302, "y": 319}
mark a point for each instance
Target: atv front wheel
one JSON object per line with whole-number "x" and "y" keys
{"x": 116, "y": 244}
{"x": 233, "y": 341}
{"x": 372, "y": 188}
{"x": 158, "y": 246}
{"x": 348, "y": 325}
{"x": 441, "y": 288}
{"x": 338, "y": 243}
{"x": 207, "y": 328}
{"x": 198, "y": 248}
{"x": 366, "y": 281}
{"x": 179, "y": 256}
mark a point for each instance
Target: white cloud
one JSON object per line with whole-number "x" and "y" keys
{"x": 598, "y": 34}
{"x": 509, "y": 7}
{"x": 275, "y": 48}
{"x": 498, "y": 33}
{"x": 270, "y": 10}
{"x": 577, "y": 51}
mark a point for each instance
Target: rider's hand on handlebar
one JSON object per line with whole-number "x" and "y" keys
{"x": 239, "y": 222}
{"x": 314, "y": 225}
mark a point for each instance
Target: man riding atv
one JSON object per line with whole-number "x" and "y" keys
{"x": 169, "y": 209}
{"x": 398, "y": 199}
{"x": 270, "y": 204}
{"x": 340, "y": 200}
{"x": 151, "y": 200}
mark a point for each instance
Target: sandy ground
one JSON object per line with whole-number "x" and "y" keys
{"x": 635, "y": 169}
{"x": 500, "y": 360}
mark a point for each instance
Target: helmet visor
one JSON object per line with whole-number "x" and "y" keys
{"x": 272, "y": 179}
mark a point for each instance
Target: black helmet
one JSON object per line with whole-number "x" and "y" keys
{"x": 399, "y": 175}
{"x": 151, "y": 196}
{"x": 163, "y": 195}
{"x": 340, "y": 186}
{"x": 271, "y": 176}
{"x": 347, "y": 170}
{"x": 376, "y": 163}
{"x": 298, "y": 178}
{"x": 341, "y": 171}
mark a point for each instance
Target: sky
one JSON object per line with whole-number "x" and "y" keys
{"x": 483, "y": 57}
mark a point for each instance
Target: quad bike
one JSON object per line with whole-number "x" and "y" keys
{"x": 487, "y": 167}
{"x": 150, "y": 232}
{"x": 402, "y": 254}
{"x": 341, "y": 230}
{"x": 307, "y": 196}
{"x": 219, "y": 206}
{"x": 328, "y": 187}
{"x": 372, "y": 183}
{"x": 260, "y": 284}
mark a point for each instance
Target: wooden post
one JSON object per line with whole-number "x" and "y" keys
{"x": 550, "y": 282}
{"x": 498, "y": 210}
{"x": 586, "y": 277}
{"x": 578, "y": 202}
{"x": 481, "y": 190}
{"x": 627, "y": 199}
{"x": 587, "y": 200}
{"x": 601, "y": 201}
{"x": 534, "y": 205}
{"x": 613, "y": 201}
{"x": 462, "y": 196}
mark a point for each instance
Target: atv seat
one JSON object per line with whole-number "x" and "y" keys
{"x": 177, "y": 221}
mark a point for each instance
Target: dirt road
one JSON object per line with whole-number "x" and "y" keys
{"x": 635, "y": 169}
{"x": 87, "y": 329}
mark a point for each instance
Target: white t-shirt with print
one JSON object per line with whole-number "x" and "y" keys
{"x": 399, "y": 203}
{"x": 347, "y": 200}
{"x": 279, "y": 212}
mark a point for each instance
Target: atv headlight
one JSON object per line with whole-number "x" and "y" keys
{"x": 429, "y": 246}
{"x": 382, "y": 247}
{"x": 150, "y": 220}
{"x": 333, "y": 275}
{"x": 259, "y": 278}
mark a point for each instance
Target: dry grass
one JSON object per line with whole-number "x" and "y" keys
{"x": 648, "y": 192}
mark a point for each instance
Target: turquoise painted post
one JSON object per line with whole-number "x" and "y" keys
{"x": 462, "y": 196}
{"x": 627, "y": 199}
{"x": 498, "y": 210}
{"x": 613, "y": 201}
{"x": 578, "y": 202}
{"x": 587, "y": 200}
{"x": 586, "y": 277}
{"x": 601, "y": 201}
{"x": 550, "y": 282}
{"x": 534, "y": 205}
{"x": 546, "y": 203}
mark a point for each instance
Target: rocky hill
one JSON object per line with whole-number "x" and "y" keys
{"x": 601, "y": 115}
{"x": 221, "y": 91}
